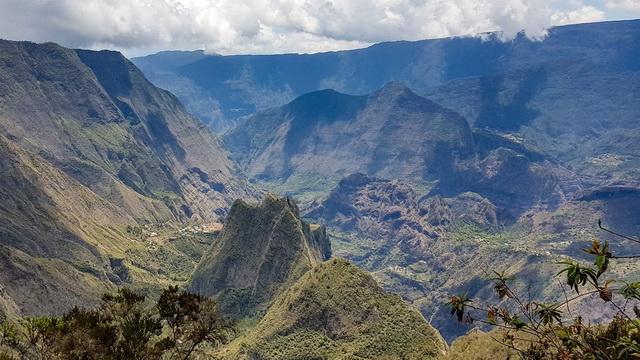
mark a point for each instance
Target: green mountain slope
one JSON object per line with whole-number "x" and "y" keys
{"x": 262, "y": 249}
{"x": 98, "y": 168}
{"x": 94, "y": 115}
{"x": 50, "y": 256}
{"x": 337, "y": 311}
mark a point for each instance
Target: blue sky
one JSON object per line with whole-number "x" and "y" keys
{"x": 618, "y": 10}
{"x": 138, "y": 27}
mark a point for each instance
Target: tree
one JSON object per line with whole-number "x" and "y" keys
{"x": 121, "y": 328}
{"x": 192, "y": 320}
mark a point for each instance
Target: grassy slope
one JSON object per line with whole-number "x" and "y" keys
{"x": 62, "y": 245}
{"x": 337, "y": 311}
{"x": 108, "y": 161}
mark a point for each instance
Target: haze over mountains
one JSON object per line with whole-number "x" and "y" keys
{"x": 221, "y": 89}
{"x": 428, "y": 164}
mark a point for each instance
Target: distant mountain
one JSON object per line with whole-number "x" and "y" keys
{"x": 222, "y": 89}
{"x": 92, "y": 156}
{"x": 337, "y": 311}
{"x": 395, "y": 134}
{"x": 584, "y": 115}
{"x": 262, "y": 249}
{"x": 390, "y": 133}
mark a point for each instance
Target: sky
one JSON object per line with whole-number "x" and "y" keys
{"x": 139, "y": 27}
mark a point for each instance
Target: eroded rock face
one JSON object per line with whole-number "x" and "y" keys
{"x": 44, "y": 218}
{"x": 377, "y": 209}
{"x": 262, "y": 248}
{"x": 475, "y": 209}
{"x": 512, "y": 181}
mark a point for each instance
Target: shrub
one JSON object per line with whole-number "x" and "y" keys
{"x": 543, "y": 331}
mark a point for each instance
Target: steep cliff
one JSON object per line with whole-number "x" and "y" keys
{"x": 91, "y": 155}
{"x": 96, "y": 117}
{"x": 262, "y": 249}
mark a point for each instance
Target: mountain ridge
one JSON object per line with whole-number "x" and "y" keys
{"x": 99, "y": 168}
{"x": 239, "y": 85}
{"x": 94, "y": 112}
{"x": 307, "y": 136}
{"x": 337, "y": 311}
{"x": 262, "y": 249}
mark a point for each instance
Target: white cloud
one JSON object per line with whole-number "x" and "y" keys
{"x": 632, "y": 6}
{"x": 583, "y": 14}
{"x": 270, "y": 26}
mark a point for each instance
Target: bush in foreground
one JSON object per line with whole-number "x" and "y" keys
{"x": 121, "y": 328}
{"x": 537, "y": 331}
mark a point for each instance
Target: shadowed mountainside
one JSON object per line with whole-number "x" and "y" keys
{"x": 392, "y": 132}
{"x": 94, "y": 162}
{"x": 222, "y": 89}
{"x": 96, "y": 117}
{"x": 582, "y": 115}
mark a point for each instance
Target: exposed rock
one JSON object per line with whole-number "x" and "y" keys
{"x": 473, "y": 208}
{"x": 262, "y": 249}
{"x": 390, "y": 212}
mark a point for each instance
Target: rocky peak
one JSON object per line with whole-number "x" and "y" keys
{"x": 262, "y": 247}
{"x": 389, "y": 212}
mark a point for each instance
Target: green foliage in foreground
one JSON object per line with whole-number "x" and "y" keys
{"x": 179, "y": 325}
{"x": 538, "y": 331}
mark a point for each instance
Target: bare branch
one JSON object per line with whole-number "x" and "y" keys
{"x": 616, "y": 234}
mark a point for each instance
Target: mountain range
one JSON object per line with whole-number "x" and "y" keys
{"x": 222, "y": 90}
{"x": 420, "y": 167}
